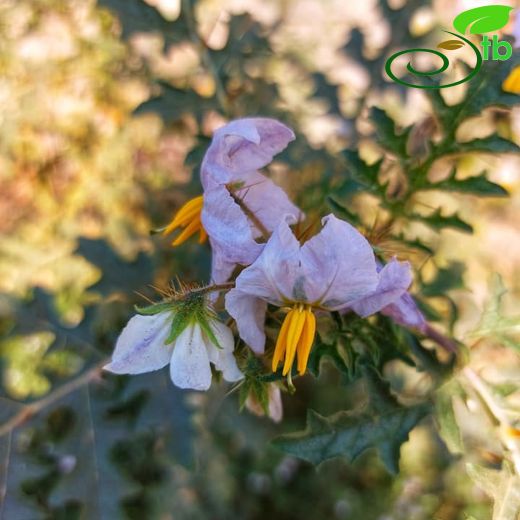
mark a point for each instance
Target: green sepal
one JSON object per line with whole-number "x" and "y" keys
{"x": 155, "y": 308}
{"x": 179, "y": 323}
{"x": 206, "y": 327}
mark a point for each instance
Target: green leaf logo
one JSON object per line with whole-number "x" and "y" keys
{"x": 480, "y": 20}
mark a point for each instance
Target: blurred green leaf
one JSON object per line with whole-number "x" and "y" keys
{"x": 387, "y": 135}
{"x": 476, "y": 185}
{"x": 491, "y": 144}
{"x": 446, "y": 279}
{"x": 438, "y": 221}
{"x": 136, "y": 16}
{"x": 117, "y": 273}
{"x": 445, "y": 416}
{"x": 493, "y": 323}
{"x": 503, "y": 486}
{"x": 485, "y": 91}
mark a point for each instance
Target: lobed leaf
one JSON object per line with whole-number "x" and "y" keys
{"x": 382, "y": 424}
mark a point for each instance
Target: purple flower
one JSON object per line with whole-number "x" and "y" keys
{"x": 334, "y": 270}
{"x": 240, "y": 204}
{"x": 404, "y": 311}
{"x": 390, "y": 300}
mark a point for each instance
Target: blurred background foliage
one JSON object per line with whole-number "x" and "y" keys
{"x": 107, "y": 109}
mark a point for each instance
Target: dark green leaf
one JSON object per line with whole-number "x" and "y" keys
{"x": 446, "y": 279}
{"x": 136, "y": 16}
{"x": 438, "y": 221}
{"x": 476, "y": 185}
{"x": 175, "y": 102}
{"x": 364, "y": 173}
{"x": 491, "y": 144}
{"x": 387, "y": 135}
{"x": 383, "y": 424}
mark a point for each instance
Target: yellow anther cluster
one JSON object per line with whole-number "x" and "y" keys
{"x": 295, "y": 339}
{"x": 188, "y": 217}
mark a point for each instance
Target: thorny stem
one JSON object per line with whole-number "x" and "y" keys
{"x": 498, "y": 413}
{"x": 31, "y": 409}
{"x": 208, "y": 289}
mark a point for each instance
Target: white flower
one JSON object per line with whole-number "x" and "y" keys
{"x": 141, "y": 347}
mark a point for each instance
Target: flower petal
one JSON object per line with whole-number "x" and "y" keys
{"x": 141, "y": 345}
{"x": 267, "y": 201}
{"x": 338, "y": 264}
{"x": 243, "y": 145}
{"x": 275, "y": 273}
{"x": 404, "y": 311}
{"x": 221, "y": 268}
{"x": 189, "y": 365}
{"x": 223, "y": 357}
{"x": 228, "y": 227}
{"x": 394, "y": 280}
{"x": 249, "y": 314}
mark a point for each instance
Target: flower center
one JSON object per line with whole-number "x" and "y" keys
{"x": 295, "y": 339}
{"x": 188, "y": 217}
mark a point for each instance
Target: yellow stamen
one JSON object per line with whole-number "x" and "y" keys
{"x": 512, "y": 82}
{"x": 188, "y": 217}
{"x": 306, "y": 341}
{"x": 279, "y": 349}
{"x": 295, "y": 339}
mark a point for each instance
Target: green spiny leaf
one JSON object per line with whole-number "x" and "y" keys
{"x": 491, "y": 144}
{"x": 387, "y": 135}
{"x": 382, "y": 424}
{"x": 438, "y": 221}
{"x": 476, "y": 185}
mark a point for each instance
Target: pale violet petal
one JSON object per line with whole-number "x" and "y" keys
{"x": 338, "y": 265}
{"x": 221, "y": 267}
{"x": 228, "y": 227}
{"x": 276, "y": 272}
{"x": 189, "y": 365}
{"x": 243, "y": 145}
{"x": 268, "y": 202}
{"x": 141, "y": 345}
{"x": 394, "y": 280}
{"x": 249, "y": 314}
{"x": 404, "y": 311}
